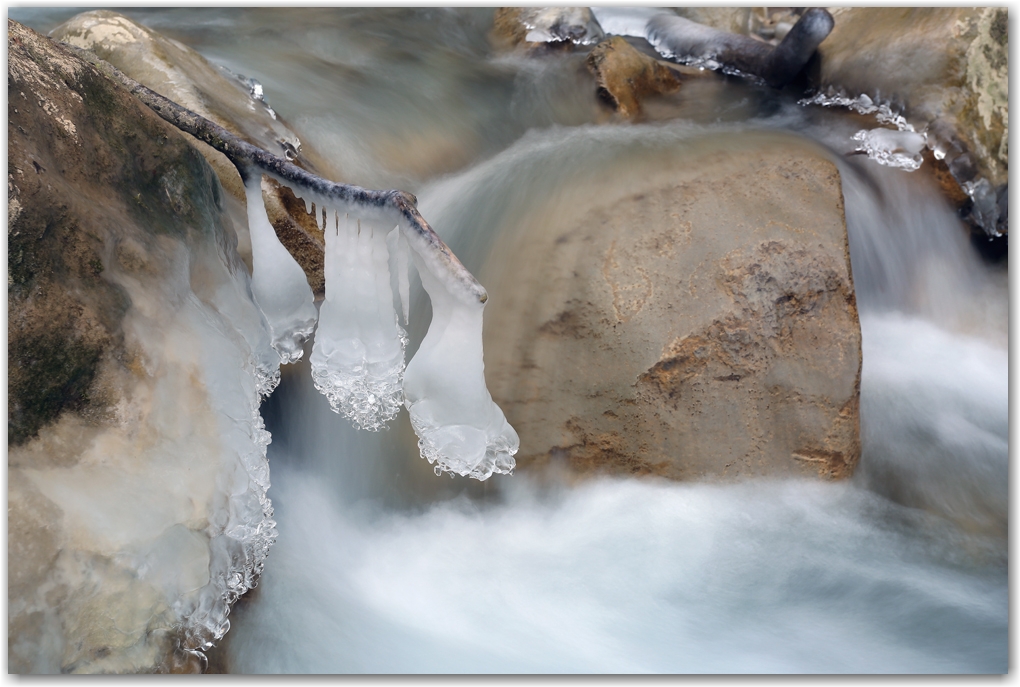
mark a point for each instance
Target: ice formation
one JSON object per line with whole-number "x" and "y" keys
{"x": 862, "y": 104}
{"x": 358, "y": 355}
{"x": 278, "y": 282}
{"x": 901, "y": 149}
{"x": 459, "y": 427}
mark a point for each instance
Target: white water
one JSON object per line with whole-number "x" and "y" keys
{"x": 900, "y": 570}
{"x": 382, "y": 567}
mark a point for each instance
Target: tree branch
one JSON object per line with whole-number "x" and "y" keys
{"x": 398, "y": 206}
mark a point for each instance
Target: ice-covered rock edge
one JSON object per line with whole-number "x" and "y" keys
{"x": 461, "y": 429}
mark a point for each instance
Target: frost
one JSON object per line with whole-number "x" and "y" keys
{"x": 278, "y": 282}
{"x": 460, "y": 429}
{"x": 357, "y": 359}
{"x": 900, "y": 149}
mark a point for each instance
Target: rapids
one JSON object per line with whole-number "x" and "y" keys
{"x": 380, "y": 566}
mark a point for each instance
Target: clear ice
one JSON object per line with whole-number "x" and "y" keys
{"x": 460, "y": 429}
{"x": 278, "y": 282}
{"x": 900, "y": 149}
{"x": 357, "y": 358}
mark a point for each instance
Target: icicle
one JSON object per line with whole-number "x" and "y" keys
{"x": 278, "y": 282}
{"x": 460, "y": 428}
{"x": 398, "y": 247}
{"x": 358, "y": 355}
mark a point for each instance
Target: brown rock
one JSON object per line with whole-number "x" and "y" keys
{"x": 624, "y": 76}
{"x": 695, "y": 320}
{"x": 298, "y": 230}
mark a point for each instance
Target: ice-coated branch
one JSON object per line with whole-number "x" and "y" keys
{"x": 398, "y": 207}
{"x": 684, "y": 39}
{"x": 357, "y": 358}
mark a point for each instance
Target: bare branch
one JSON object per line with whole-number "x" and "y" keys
{"x": 398, "y": 206}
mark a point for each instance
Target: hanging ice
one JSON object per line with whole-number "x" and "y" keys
{"x": 358, "y": 356}
{"x": 460, "y": 429}
{"x": 278, "y": 282}
{"x": 900, "y": 149}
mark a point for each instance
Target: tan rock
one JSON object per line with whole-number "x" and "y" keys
{"x": 695, "y": 320}
{"x": 624, "y": 76}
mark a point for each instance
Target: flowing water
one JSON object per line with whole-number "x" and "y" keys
{"x": 381, "y": 566}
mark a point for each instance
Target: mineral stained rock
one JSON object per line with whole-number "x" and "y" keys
{"x": 696, "y": 320}
{"x": 132, "y": 526}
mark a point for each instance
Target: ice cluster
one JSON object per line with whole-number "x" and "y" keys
{"x": 862, "y": 104}
{"x": 901, "y": 149}
{"x": 358, "y": 355}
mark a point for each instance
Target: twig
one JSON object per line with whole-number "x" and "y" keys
{"x": 399, "y": 206}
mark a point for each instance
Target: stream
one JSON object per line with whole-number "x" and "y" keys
{"x": 383, "y": 567}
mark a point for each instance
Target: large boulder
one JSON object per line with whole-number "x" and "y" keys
{"x": 233, "y": 101}
{"x": 132, "y": 526}
{"x": 948, "y": 68}
{"x": 693, "y": 320}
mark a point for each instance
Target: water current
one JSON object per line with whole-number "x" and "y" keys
{"x": 381, "y": 566}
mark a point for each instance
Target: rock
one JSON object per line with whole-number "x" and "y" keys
{"x": 946, "y": 66}
{"x": 695, "y": 320}
{"x": 127, "y": 302}
{"x": 624, "y": 76}
{"x": 732, "y": 19}
{"x": 544, "y": 27}
{"x": 234, "y": 102}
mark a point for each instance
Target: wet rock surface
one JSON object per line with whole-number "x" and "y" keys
{"x": 233, "y": 101}
{"x": 115, "y": 231}
{"x": 947, "y": 67}
{"x": 707, "y": 312}
{"x": 624, "y": 76}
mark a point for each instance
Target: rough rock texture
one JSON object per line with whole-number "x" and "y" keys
{"x": 543, "y": 27}
{"x": 67, "y": 185}
{"x": 624, "y": 76}
{"x": 947, "y": 66}
{"x": 693, "y": 321}
{"x": 181, "y": 74}
{"x": 118, "y": 254}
